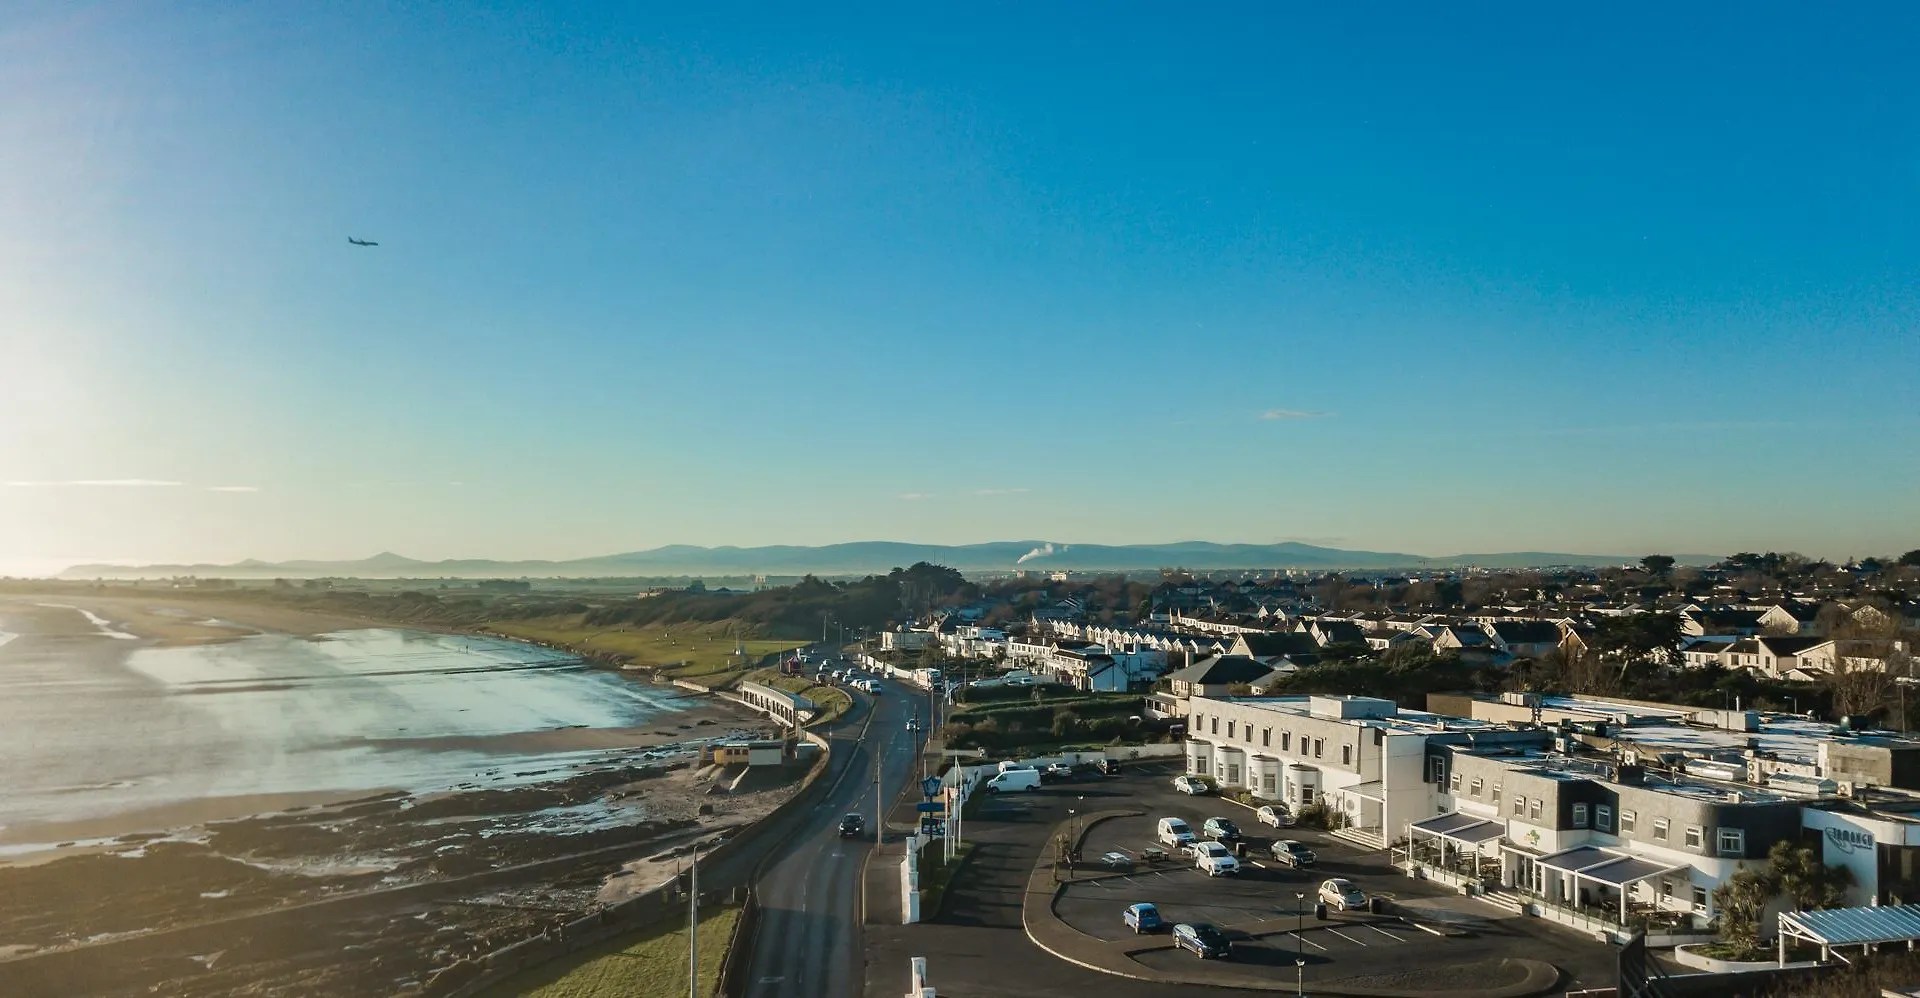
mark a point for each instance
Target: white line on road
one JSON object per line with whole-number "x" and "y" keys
{"x": 1389, "y": 935}
{"x": 1298, "y": 939}
{"x": 1348, "y": 938}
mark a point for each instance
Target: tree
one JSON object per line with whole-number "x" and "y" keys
{"x": 1804, "y": 879}
{"x": 1657, "y": 565}
{"x": 1742, "y": 900}
{"x": 1911, "y": 558}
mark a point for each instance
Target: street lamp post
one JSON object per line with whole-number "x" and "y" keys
{"x": 1299, "y": 923}
{"x": 1300, "y": 977}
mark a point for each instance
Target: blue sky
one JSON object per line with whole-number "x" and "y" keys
{"x": 1502, "y": 278}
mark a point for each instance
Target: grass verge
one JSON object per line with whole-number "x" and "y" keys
{"x": 936, "y": 873}
{"x": 703, "y": 653}
{"x": 651, "y": 964}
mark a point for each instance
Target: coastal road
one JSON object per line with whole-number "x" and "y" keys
{"x": 809, "y": 938}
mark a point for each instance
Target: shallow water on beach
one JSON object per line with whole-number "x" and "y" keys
{"x": 88, "y": 733}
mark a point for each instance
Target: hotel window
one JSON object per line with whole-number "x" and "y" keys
{"x": 1496, "y": 793}
{"x": 1660, "y": 826}
{"x": 1436, "y": 769}
{"x": 1454, "y": 784}
{"x": 1286, "y": 741}
{"x": 1266, "y": 784}
{"x": 1603, "y": 817}
{"x": 1626, "y": 821}
{"x": 1699, "y": 898}
{"x": 1266, "y": 737}
{"x": 1519, "y": 805}
{"x": 1216, "y": 725}
{"x": 1346, "y": 755}
{"x": 1533, "y": 809}
{"x": 1229, "y": 729}
{"x": 1478, "y": 785}
{"x": 1318, "y": 745}
{"x": 1666, "y": 887}
{"x": 1693, "y": 836}
{"x": 1732, "y": 842}
{"x": 1579, "y": 816}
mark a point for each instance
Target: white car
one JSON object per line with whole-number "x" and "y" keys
{"x": 1174, "y": 832}
{"x": 1213, "y": 859}
{"x": 1342, "y": 895}
{"x": 1278, "y": 817}
{"x": 1192, "y": 785}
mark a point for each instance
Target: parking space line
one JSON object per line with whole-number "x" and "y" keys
{"x": 1298, "y": 939}
{"x": 1343, "y": 935}
{"x": 1389, "y": 935}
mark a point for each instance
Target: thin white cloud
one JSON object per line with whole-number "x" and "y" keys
{"x": 233, "y": 488}
{"x": 130, "y": 483}
{"x": 1293, "y": 414}
{"x": 914, "y": 496}
{"x": 999, "y": 492}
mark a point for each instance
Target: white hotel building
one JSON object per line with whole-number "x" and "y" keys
{"x": 1361, "y": 756}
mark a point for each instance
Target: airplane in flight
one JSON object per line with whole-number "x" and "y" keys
{"x": 361, "y": 242}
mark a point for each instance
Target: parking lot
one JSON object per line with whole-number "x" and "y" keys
{"x": 1269, "y": 908}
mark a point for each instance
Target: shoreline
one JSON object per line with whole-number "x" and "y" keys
{"x": 686, "y": 717}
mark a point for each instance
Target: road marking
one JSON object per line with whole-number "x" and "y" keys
{"x": 1389, "y": 935}
{"x": 1343, "y": 935}
{"x": 1298, "y": 939}
{"x": 771, "y": 980}
{"x": 1257, "y": 863}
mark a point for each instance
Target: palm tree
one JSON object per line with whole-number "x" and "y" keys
{"x": 1805, "y": 880}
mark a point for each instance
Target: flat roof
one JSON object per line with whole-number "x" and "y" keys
{"x": 1786, "y": 736}
{"x": 1403, "y": 719}
{"x": 1602, "y": 707}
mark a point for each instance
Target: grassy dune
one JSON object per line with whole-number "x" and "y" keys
{"x": 700, "y": 652}
{"x": 651, "y": 964}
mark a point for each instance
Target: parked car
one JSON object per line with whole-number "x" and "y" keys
{"x": 852, "y": 825}
{"x": 1174, "y": 832}
{"x": 1290, "y": 852}
{"x": 1142, "y": 917}
{"x": 1014, "y": 779}
{"x": 1060, "y": 769}
{"x": 1220, "y": 830}
{"x": 1342, "y": 895}
{"x": 1191, "y": 785}
{"x": 1117, "y": 860}
{"x": 1213, "y": 859}
{"x": 1110, "y": 767}
{"x": 1275, "y": 815}
{"x": 1202, "y": 939}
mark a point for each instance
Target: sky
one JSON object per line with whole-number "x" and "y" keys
{"x": 1389, "y": 276}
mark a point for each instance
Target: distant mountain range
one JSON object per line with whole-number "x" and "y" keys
{"x": 862, "y": 557}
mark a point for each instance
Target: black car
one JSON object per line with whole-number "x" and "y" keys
{"x": 1111, "y": 767}
{"x": 1203, "y": 940}
{"x": 852, "y": 825}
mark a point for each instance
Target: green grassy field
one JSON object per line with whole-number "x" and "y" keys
{"x": 833, "y": 701}
{"x": 699, "y": 652}
{"x": 647, "y": 965}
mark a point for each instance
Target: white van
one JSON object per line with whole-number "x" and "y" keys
{"x": 1175, "y": 832}
{"x": 1010, "y": 780}
{"x": 1006, "y": 766}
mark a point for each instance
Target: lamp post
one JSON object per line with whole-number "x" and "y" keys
{"x": 1299, "y": 923}
{"x": 1300, "y": 977}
